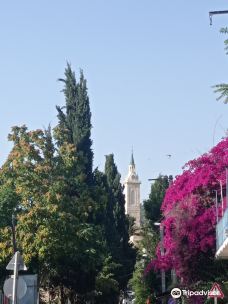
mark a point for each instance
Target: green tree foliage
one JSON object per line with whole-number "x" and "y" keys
{"x": 145, "y": 285}
{"x": 73, "y": 136}
{"x": 139, "y": 285}
{"x": 75, "y": 123}
{"x": 107, "y": 287}
{"x": 71, "y": 227}
{"x": 123, "y": 253}
{"x": 222, "y": 88}
{"x": 152, "y": 206}
{"x": 54, "y": 229}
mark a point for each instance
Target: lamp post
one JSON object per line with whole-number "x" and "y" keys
{"x": 162, "y": 254}
{"x": 161, "y": 246}
{"x": 216, "y": 13}
{"x": 14, "y": 234}
{"x": 163, "y": 280}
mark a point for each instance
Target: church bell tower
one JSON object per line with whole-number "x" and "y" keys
{"x": 132, "y": 193}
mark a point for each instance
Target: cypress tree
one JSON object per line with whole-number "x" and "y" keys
{"x": 107, "y": 285}
{"x": 75, "y": 159}
{"x": 126, "y": 253}
{"x": 75, "y": 123}
{"x": 113, "y": 179}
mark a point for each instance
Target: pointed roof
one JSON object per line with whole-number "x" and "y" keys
{"x": 132, "y": 176}
{"x": 132, "y": 163}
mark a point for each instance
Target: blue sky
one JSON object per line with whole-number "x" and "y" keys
{"x": 149, "y": 64}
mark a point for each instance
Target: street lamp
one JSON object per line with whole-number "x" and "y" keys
{"x": 170, "y": 179}
{"x": 163, "y": 281}
{"x": 216, "y": 13}
{"x": 162, "y": 253}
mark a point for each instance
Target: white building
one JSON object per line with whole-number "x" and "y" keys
{"x": 132, "y": 195}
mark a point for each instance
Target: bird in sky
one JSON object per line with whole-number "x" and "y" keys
{"x": 168, "y": 155}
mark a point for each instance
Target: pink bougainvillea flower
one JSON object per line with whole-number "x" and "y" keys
{"x": 190, "y": 215}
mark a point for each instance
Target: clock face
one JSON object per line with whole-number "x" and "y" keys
{"x": 133, "y": 176}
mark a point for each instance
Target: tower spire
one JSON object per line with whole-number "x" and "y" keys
{"x": 132, "y": 163}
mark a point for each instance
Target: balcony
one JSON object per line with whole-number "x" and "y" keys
{"x": 222, "y": 237}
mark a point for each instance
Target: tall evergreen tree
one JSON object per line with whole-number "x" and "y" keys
{"x": 118, "y": 204}
{"x": 126, "y": 253}
{"x": 75, "y": 123}
{"x": 73, "y": 139}
{"x": 107, "y": 285}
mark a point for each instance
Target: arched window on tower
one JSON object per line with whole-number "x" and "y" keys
{"x": 132, "y": 197}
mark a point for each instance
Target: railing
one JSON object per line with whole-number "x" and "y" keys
{"x": 221, "y": 229}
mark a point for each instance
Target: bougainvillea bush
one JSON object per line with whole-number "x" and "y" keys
{"x": 190, "y": 219}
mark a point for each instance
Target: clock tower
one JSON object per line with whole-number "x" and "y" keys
{"x": 132, "y": 193}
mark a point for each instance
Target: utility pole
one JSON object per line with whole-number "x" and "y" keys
{"x": 161, "y": 228}
{"x": 15, "y": 279}
{"x": 15, "y": 274}
{"x": 212, "y": 13}
{"x": 162, "y": 254}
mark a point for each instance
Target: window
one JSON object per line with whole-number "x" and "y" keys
{"x": 132, "y": 197}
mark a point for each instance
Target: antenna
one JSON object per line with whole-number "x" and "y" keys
{"x": 216, "y": 13}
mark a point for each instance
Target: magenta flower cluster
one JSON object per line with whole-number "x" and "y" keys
{"x": 190, "y": 215}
